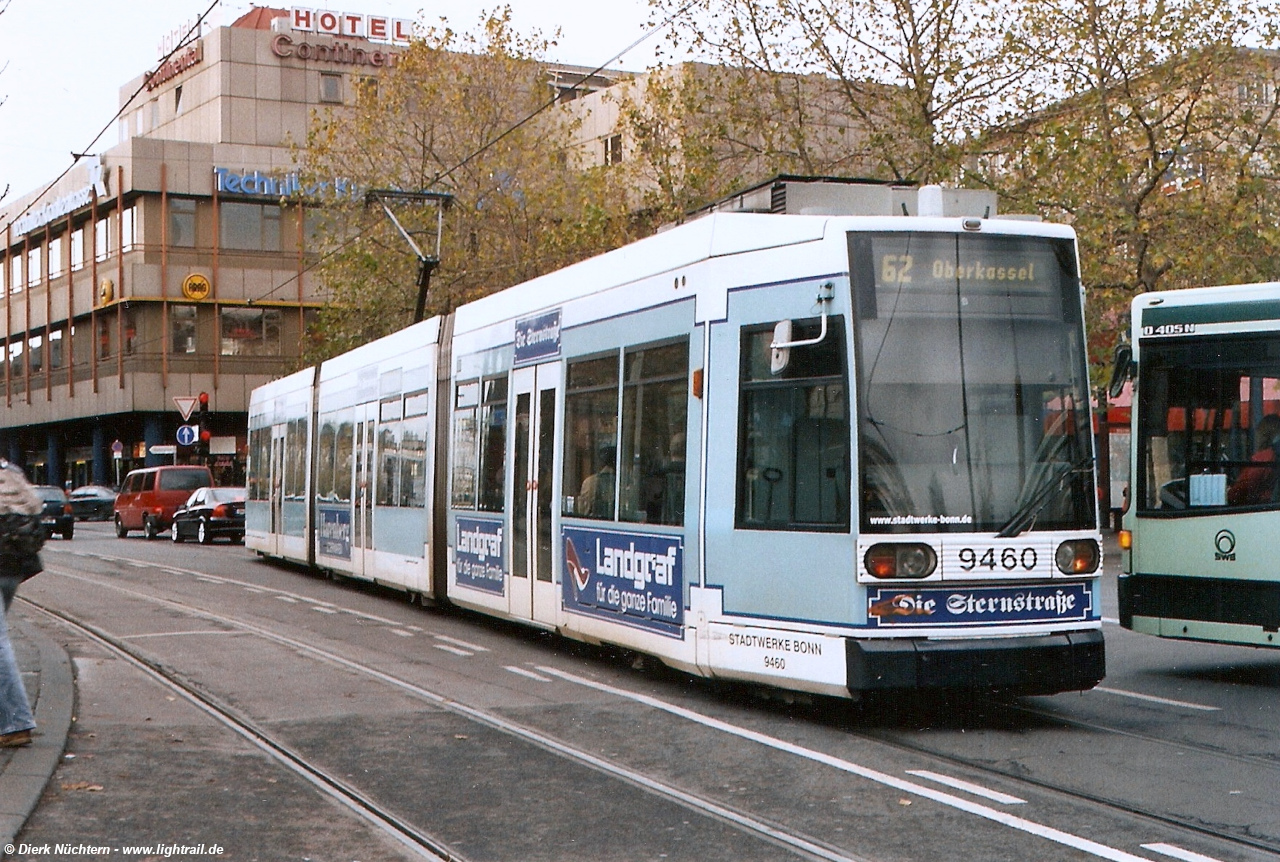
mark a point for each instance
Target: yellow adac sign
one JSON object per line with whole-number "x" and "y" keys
{"x": 195, "y": 286}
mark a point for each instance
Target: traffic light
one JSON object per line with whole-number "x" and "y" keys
{"x": 202, "y": 445}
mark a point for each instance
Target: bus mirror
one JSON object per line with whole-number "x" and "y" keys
{"x": 1121, "y": 370}
{"x": 780, "y": 356}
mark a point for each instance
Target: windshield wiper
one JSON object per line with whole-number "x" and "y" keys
{"x": 1026, "y": 514}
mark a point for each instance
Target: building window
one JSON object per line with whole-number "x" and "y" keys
{"x": 55, "y": 348}
{"x": 105, "y": 325}
{"x": 77, "y": 249}
{"x": 128, "y": 228}
{"x": 331, "y": 88}
{"x": 250, "y": 331}
{"x": 249, "y": 227}
{"x": 182, "y": 222}
{"x": 613, "y": 150}
{"x": 55, "y": 257}
{"x": 102, "y": 238}
{"x": 177, "y": 100}
{"x": 35, "y": 353}
{"x": 183, "y": 322}
{"x": 15, "y": 273}
{"x": 33, "y": 265}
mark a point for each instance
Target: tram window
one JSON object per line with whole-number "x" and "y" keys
{"x": 389, "y": 463}
{"x": 259, "y": 439}
{"x": 344, "y": 461}
{"x": 591, "y": 437}
{"x": 295, "y": 459}
{"x": 493, "y": 444}
{"x": 465, "y": 405}
{"x": 324, "y": 459}
{"x": 655, "y": 397}
{"x": 793, "y": 433}
{"x": 413, "y": 463}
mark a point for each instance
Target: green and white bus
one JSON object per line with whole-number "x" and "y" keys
{"x": 1200, "y": 532}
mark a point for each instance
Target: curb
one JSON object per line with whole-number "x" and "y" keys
{"x": 23, "y": 780}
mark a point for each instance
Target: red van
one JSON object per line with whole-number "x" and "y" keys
{"x": 149, "y": 497}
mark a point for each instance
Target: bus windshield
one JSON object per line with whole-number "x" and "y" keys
{"x": 972, "y": 388}
{"x": 1206, "y": 440}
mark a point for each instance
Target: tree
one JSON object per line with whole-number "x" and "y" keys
{"x": 448, "y": 117}
{"x": 1157, "y": 140}
{"x": 916, "y": 78}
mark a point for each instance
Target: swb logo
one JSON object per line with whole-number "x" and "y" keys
{"x": 1225, "y": 542}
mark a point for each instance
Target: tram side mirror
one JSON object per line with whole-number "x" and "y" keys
{"x": 780, "y": 356}
{"x": 1121, "y": 369}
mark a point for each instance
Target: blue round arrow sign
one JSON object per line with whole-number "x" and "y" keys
{"x": 187, "y": 435}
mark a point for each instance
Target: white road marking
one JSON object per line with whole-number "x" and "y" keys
{"x": 967, "y": 787}
{"x": 254, "y": 590}
{"x": 527, "y": 673}
{"x": 324, "y": 610}
{"x": 1039, "y": 830}
{"x": 1153, "y": 699}
{"x": 290, "y": 599}
{"x": 402, "y": 633}
{"x": 458, "y": 643}
{"x": 1178, "y": 853}
{"x": 1113, "y": 620}
{"x": 207, "y": 580}
{"x": 454, "y": 650}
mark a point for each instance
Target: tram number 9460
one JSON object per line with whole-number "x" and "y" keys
{"x": 991, "y": 559}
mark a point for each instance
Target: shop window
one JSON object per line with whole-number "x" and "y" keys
{"x": 249, "y": 227}
{"x": 182, "y": 222}
{"x": 130, "y": 333}
{"x": 793, "y": 433}
{"x": 250, "y": 331}
{"x": 105, "y": 325}
{"x": 183, "y": 323}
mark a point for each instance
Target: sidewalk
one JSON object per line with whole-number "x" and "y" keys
{"x": 24, "y": 772}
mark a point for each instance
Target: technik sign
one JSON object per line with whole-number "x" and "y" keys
{"x": 237, "y": 182}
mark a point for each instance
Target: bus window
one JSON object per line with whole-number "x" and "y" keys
{"x": 1207, "y": 427}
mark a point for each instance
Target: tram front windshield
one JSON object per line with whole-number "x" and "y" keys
{"x": 972, "y": 384}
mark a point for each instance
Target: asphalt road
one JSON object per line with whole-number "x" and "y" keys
{"x": 499, "y": 743}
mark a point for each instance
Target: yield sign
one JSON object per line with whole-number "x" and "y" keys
{"x": 186, "y": 405}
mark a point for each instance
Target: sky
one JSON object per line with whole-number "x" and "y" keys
{"x": 67, "y": 59}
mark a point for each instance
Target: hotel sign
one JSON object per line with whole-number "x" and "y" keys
{"x": 375, "y": 28}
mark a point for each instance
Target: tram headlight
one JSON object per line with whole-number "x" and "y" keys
{"x": 900, "y": 560}
{"x": 1077, "y": 557}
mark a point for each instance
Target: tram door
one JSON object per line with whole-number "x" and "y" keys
{"x": 275, "y": 484}
{"x": 363, "y": 491}
{"x": 536, "y": 391}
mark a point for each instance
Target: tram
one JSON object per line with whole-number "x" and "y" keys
{"x": 828, "y": 453}
{"x": 1199, "y": 533}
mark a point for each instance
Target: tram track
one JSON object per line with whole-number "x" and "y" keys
{"x": 775, "y": 833}
{"x": 801, "y": 845}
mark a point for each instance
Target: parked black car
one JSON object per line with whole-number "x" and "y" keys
{"x": 56, "y": 517}
{"x": 208, "y": 513}
{"x": 93, "y": 503}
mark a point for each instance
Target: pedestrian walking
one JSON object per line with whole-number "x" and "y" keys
{"x": 21, "y": 536}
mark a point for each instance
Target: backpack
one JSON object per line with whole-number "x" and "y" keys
{"x": 21, "y": 533}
